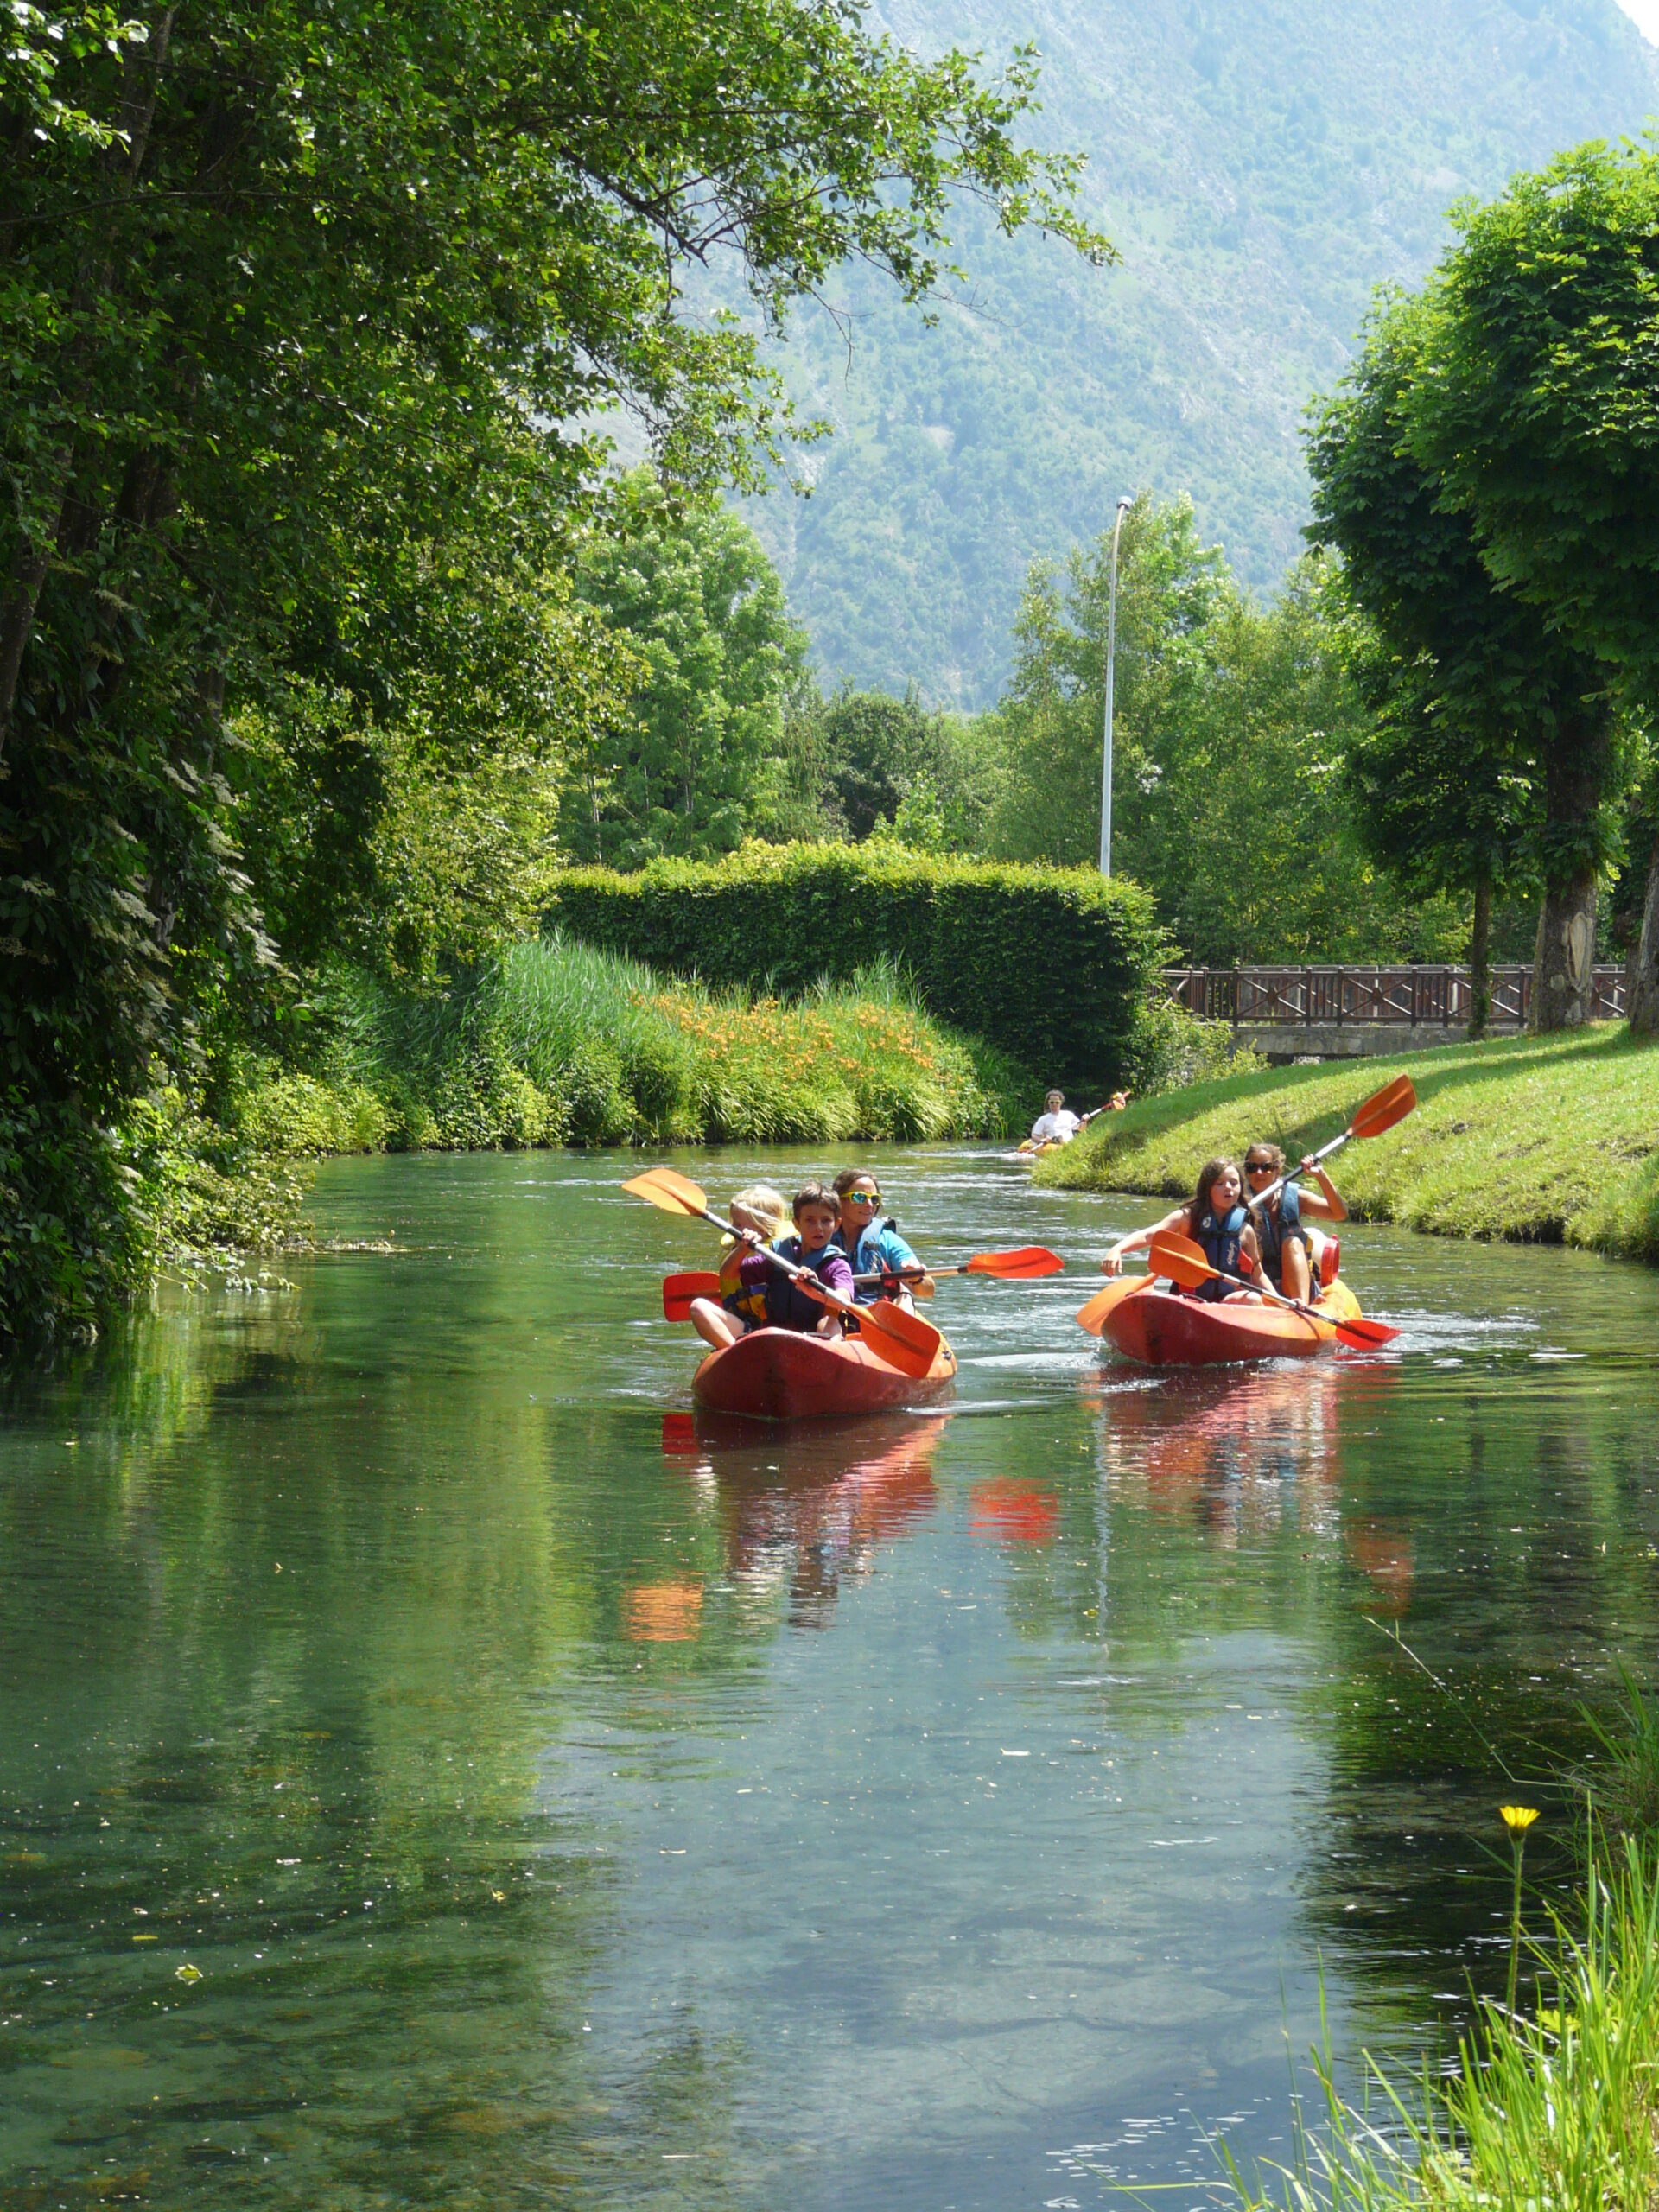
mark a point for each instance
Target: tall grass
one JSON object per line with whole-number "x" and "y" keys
{"x": 556, "y": 1043}
{"x": 1554, "y": 2111}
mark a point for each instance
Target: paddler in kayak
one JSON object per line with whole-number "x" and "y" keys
{"x": 1212, "y": 1217}
{"x": 783, "y": 1305}
{"x": 1281, "y": 1242}
{"x": 874, "y": 1245}
{"x": 1056, "y": 1124}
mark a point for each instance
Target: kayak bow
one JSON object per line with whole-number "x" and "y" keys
{"x": 1161, "y": 1329}
{"x": 786, "y": 1375}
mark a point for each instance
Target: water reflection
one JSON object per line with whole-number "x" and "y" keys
{"x": 563, "y": 1799}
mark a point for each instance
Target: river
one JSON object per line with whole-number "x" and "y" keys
{"x": 432, "y": 1773}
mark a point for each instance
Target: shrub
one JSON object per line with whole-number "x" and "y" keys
{"x": 1052, "y": 966}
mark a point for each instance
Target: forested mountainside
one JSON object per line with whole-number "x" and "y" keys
{"x": 1261, "y": 165}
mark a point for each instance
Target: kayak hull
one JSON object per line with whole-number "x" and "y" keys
{"x": 1161, "y": 1329}
{"x": 783, "y": 1374}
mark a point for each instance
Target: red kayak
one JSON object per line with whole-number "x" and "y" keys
{"x": 782, "y": 1375}
{"x": 1162, "y": 1329}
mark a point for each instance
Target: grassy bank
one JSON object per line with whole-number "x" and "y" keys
{"x": 559, "y": 1044}
{"x": 1545, "y": 1140}
{"x": 1552, "y": 2107}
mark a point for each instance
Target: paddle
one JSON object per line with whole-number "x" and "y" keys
{"x": 1184, "y": 1262}
{"x": 1092, "y": 1316}
{"x": 1380, "y": 1111}
{"x": 901, "y": 1337}
{"x": 1023, "y": 1265}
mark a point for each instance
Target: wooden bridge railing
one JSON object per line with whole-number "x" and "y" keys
{"x": 1283, "y": 997}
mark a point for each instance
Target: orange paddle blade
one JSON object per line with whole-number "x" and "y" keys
{"x": 900, "y": 1337}
{"x": 1092, "y": 1316}
{"x": 1362, "y": 1334}
{"x": 1030, "y": 1260}
{"x": 674, "y": 1194}
{"x": 678, "y": 1291}
{"x": 1181, "y": 1260}
{"x": 1383, "y": 1109}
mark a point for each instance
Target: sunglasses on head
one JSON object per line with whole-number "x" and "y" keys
{"x": 863, "y": 1198}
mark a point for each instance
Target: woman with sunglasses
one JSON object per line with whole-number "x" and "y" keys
{"x": 1214, "y": 1217}
{"x": 875, "y": 1246}
{"x": 1282, "y": 1241}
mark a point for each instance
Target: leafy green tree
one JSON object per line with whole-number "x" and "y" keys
{"x": 1531, "y": 410}
{"x": 700, "y": 760}
{"x": 308, "y": 314}
{"x": 1230, "y": 725}
{"x": 1463, "y": 684}
{"x": 927, "y": 775}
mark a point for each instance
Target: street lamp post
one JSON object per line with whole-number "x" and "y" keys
{"x": 1123, "y": 506}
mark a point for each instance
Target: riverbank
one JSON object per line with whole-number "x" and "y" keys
{"x": 1545, "y": 1140}
{"x": 554, "y": 1043}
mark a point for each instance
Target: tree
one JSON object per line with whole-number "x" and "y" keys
{"x": 698, "y": 763}
{"x": 1230, "y": 722}
{"x": 294, "y": 297}
{"x": 1454, "y": 674}
{"x": 1537, "y": 419}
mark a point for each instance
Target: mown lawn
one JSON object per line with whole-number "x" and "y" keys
{"x": 1544, "y": 1139}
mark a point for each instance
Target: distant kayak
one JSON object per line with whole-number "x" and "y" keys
{"x": 1161, "y": 1328}
{"x": 782, "y": 1375}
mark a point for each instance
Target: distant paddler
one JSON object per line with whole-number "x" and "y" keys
{"x": 1057, "y": 1124}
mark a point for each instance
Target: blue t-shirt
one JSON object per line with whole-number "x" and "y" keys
{"x": 880, "y": 1250}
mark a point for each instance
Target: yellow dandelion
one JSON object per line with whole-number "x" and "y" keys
{"x": 1518, "y": 1818}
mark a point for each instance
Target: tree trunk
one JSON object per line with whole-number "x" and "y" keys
{"x": 1480, "y": 960}
{"x": 1563, "y": 967}
{"x": 1642, "y": 981}
{"x": 1575, "y": 778}
{"x": 22, "y": 591}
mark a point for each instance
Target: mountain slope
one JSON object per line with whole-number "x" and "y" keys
{"x": 1262, "y": 165}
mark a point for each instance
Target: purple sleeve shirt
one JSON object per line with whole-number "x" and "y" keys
{"x": 834, "y": 1271}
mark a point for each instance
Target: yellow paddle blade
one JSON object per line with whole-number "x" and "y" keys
{"x": 661, "y": 1187}
{"x": 1181, "y": 1260}
{"x": 1383, "y": 1109}
{"x": 1092, "y": 1315}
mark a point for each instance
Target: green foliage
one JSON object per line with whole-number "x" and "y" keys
{"x": 1536, "y": 1139}
{"x": 1540, "y": 421}
{"x": 700, "y": 759}
{"x": 308, "y": 323}
{"x": 1230, "y": 725}
{"x": 560, "y": 1043}
{"x": 1051, "y": 966}
{"x": 1553, "y": 2107}
{"x": 924, "y": 775}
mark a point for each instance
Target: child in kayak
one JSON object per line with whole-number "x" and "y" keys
{"x": 765, "y": 1211}
{"x": 1280, "y": 1239}
{"x": 784, "y": 1305}
{"x": 1214, "y": 1219}
{"x": 872, "y": 1245}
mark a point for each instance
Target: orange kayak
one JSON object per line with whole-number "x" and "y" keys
{"x": 782, "y": 1375}
{"x": 1162, "y": 1329}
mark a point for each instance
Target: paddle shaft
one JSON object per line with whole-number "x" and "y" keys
{"x": 804, "y": 1276}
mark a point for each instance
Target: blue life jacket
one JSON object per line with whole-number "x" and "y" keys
{"x": 1221, "y": 1240}
{"x": 878, "y": 1249}
{"x": 1275, "y": 1225}
{"x": 788, "y": 1307}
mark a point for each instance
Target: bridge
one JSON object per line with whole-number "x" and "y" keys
{"x": 1335, "y": 1013}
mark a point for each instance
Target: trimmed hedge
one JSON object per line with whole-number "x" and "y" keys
{"x": 1053, "y": 965}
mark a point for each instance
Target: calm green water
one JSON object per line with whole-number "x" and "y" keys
{"x": 558, "y": 1808}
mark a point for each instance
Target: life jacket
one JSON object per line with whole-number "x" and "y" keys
{"x": 1275, "y": 1225}
{"x": 748, "y": 1305}
{"x": 1222, "y": 1244}
{"x": 786, "y": 1307}
{"x": 865, "y": 1259}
